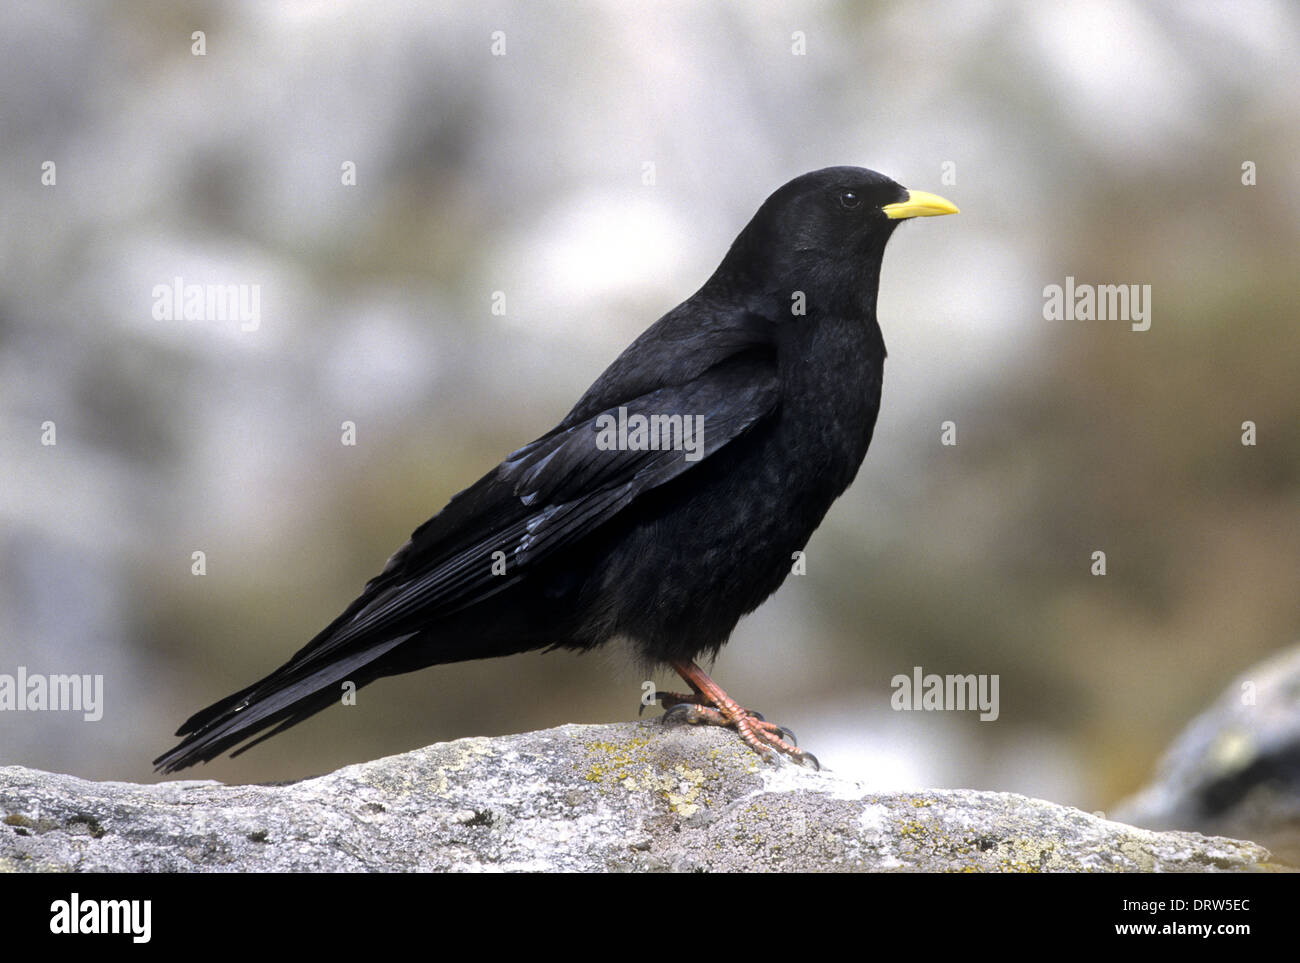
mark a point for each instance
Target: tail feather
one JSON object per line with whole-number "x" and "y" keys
{"x": 287, "y": 696}
{"x": 218, "y": 709}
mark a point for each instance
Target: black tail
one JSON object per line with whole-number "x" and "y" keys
{"x": 287, "y": 696}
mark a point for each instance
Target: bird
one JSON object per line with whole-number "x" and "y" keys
{"x": 668, "y": 503}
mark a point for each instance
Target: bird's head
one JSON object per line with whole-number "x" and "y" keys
{"x": 824, "y": 234}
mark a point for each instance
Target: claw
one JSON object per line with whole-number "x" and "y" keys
{"x": 678, "y": 715}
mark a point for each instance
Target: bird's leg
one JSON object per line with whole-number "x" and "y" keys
{"x": 674, "y": 700}
{"x": 709, "y": 705}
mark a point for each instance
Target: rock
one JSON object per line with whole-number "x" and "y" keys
{"x": 629, "y": 797}
{"x": 1235, "y": 770}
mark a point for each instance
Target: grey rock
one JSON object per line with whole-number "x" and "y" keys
{"x": 632, "y": 797}
{"x": 1235, "y": 770}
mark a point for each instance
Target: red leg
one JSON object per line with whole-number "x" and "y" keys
{"x": 711, "y": 706}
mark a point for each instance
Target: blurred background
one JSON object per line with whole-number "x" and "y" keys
{"x": 1103, "y": 141}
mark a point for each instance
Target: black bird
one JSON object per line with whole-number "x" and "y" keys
{"x": 667, "y": 504}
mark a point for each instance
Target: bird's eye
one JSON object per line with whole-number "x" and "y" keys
{"x": 849, "y": 200}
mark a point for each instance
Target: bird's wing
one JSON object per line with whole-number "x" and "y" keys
{"x": 543, "y": 498}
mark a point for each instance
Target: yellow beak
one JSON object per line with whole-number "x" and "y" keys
{"x": 919, "y": 204}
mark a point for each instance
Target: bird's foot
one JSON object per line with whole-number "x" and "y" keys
{"x": 670, "y": 700}
{"x": 676, "y": 700}
{"x": 710, "y": 706}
